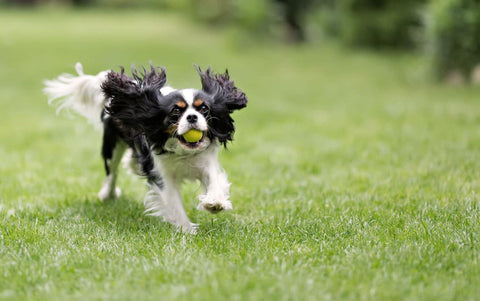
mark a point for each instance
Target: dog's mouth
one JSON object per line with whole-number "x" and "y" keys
{"x": 191, "y": 145}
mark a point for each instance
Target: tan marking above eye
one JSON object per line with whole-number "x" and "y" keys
{"x": 181, "y": 104}
{"x": 198, "y": 102}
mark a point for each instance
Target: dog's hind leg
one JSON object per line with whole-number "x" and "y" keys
{"x": 113, "y": 149}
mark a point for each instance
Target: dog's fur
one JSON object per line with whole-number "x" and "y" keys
{"x": 142, "y": 115}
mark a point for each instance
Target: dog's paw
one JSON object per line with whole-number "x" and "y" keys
{"x": 216, "y": 207}
{"x": 106, "y": 194}
{"x": 213, "y": 206}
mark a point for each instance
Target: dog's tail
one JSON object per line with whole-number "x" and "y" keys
{"x": 81, "y": 93}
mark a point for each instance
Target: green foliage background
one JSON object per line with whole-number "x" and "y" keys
{"x": 454, "y": 36}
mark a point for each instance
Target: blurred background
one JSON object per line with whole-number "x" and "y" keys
{"x": 446, "y": 32}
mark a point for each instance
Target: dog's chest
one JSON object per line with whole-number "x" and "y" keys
{"x": 181, "y": 167}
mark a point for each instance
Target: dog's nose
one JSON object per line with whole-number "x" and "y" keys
{"x": 192, "y": 118}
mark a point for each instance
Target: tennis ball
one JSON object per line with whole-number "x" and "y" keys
{"x": 193, "y": 136}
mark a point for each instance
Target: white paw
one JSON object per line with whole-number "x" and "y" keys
{"x": 106, "y": 194}
{"x": 213, "y": 206}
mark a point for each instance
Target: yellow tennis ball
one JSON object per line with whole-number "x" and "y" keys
{"x": 193, "y": 136}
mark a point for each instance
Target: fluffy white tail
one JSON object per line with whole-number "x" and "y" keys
{"x": 82, "y": 93}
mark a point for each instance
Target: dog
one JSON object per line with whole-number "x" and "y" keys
{"x": 149, "y": 123}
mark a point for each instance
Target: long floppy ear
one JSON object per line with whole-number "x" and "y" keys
{"x": 133, "y": 101}
{"x": 226, "y": 99}
{"x": 222, "y": 89}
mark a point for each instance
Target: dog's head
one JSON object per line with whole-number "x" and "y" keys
{"x": 143, "y": 105}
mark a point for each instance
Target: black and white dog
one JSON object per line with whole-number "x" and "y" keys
{"x": 148, "y": 122}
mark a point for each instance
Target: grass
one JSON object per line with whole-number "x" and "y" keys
{"x": 354, "y": 177}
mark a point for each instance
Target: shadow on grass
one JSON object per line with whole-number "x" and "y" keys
{"x": 122, "y": 216}
{"x": 80, "y": 216}
{"x": 126, "y": 215}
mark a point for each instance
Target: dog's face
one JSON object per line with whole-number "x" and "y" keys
{"x": 143, "y": 106}
{"x": 189, "y": 109}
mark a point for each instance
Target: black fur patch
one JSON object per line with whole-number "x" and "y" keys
{"x": 136, "y": 104}
{"x": 110, "y": 140}
{"x": 145, "y": 159}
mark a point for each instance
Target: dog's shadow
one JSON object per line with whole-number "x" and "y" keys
{"x": 126, "y": 215}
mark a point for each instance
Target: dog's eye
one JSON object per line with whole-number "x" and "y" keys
{"x": 203, "y": 109}
{"x": 176, "y": 111}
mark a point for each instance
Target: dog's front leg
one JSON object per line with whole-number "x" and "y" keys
{"x": 217, "y": 189}
{"x": 164, "y": 200}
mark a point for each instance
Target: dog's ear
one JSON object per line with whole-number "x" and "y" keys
{"x": 222, "y": 89}
{"x": 226, "y": 99}
{"x": 134, "y": 100}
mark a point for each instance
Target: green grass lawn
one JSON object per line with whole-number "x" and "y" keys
{"x": 354, "y": 177}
